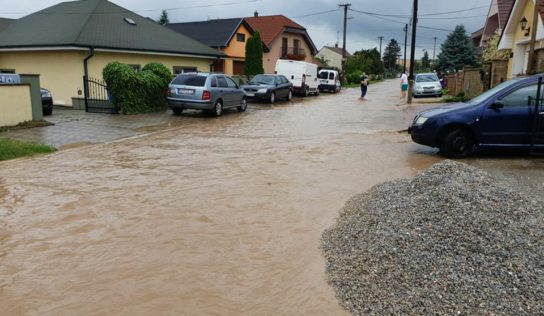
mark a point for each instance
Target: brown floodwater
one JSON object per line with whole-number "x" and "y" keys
{"x": 202, "y": 216}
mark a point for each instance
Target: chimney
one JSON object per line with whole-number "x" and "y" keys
{"x": 256, "y": 14}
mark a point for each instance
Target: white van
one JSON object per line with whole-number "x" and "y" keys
{"x": 329, "y": 79}
{"x": 303, "y": 75}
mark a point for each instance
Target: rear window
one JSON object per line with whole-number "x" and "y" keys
{"x": 426, "y": 78}
{"x": 323, "y": 75}
{"x": 190, "y": 80}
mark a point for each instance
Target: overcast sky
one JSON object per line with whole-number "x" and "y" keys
{"x": 382, "y": 18}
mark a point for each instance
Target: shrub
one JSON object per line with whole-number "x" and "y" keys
{"x": 354, "y": 77}
{"x": 137, "y": 92}
{"x": 460, "y": 97}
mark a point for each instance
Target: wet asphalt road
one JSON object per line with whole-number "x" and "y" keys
{"x": 202, "y": 215}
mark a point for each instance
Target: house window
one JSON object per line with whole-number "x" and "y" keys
{"x": 284, "y": 45}
{"x": 240, "y": 37}
{"x": 181, "y": 69}
{"x": 7, "y": 71}
{"x": 296, "y": 46}
{"x": 135, "y": 67}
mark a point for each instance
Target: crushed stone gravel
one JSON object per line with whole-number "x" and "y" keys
{"x": 451, "y": 240}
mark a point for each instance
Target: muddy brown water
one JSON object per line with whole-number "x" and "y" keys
{"x": 203, "y": 216}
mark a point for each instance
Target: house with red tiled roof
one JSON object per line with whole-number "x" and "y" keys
{"x": 283, "y": 38}
{"x": 497, "y": 17}
{"x": 517, "y": 33}
{"x": 333, "y": 55}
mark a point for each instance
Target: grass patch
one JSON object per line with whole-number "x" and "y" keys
{"x": 11, "y": 148}
{"x": 460, "y": 97}
{"x": 26, "y": 124}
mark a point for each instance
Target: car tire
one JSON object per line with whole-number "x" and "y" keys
{"x": 440, "y": 95}
{"x": 272, "y": 98}
{"x": 289, "y": 95}
{"x": 217, "y": 108}
{"x": 47, "y": 112}
{"x": 243, "y": 106}
{"x": 306, "y": 91}
{"x": 317, "y": 92}
{"x": 177, "y": 111}
{"x": 457, "y": 143}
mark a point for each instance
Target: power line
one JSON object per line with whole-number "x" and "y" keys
{"x": 316, "y": 13}
{"x": 150, "y": 10}
{"x": 454, "y": 18}
{"x": 408, "y": 16}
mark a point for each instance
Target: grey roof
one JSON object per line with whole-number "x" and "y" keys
{"x": 4, "y": 22}
{"x": 215, "y": 33}
{"x": 98, "y": 24}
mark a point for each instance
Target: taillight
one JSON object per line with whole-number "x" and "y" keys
{"x": 206, "y": 95}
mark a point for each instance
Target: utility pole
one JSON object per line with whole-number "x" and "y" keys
{"x": 405, "y": 42}
{"x": 412, "y": 53}
{"x": 381, "y": 39}
{"x": 346, "y": 6}
{"x": 434, "y": 50}
{"x": 531, "y": 57}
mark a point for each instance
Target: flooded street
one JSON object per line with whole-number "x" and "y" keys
{"x": 204, "y": 216}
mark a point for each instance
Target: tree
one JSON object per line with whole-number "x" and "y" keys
{"x": 254, "y": 55}
{"x": 457, "y": 51}
{"x": 367, "y": 60}
{"x": 425, "y": 62}
{"x": 390, "y": 55}
{"x": 163, "y": 19}
{"x": 492, "y": 52}
{"x": 323, "y": 60}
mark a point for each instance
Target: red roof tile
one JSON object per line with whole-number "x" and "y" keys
{"x": 271, "y": 26}
{"x": 505, "y": 6}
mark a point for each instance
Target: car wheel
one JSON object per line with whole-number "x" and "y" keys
{"x": 316, "y": 92}
{"x": 306, "y": 91}
{"x": 289, "y": 95}
{"x": 272, "y": 98}
{"x": 243, "y": 106}
{"x": 457, "y": 144}
{"x": 47, "y": 112}
{"x": 217, "y": 108}
{"x": 177, "y": 111}
{"x": 440, "y": 95}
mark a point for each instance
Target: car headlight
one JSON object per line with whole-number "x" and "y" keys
{"x": 418, "y": 87}
{"x": 263, "y": 90}
{"x": 420, "y": 120}
{"x": 46, "y": 94}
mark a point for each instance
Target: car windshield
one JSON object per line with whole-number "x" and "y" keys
{"x": 263, "y": 79}
{"x": 190, "y": 80}
{"x": 482, "y": 97}
{"x": 426, "y": 78}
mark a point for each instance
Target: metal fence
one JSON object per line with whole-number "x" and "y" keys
{"x": 97, "y": 97}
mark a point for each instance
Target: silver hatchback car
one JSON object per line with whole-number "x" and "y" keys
{"x": 209, "y": 92}
{"x": 426, "y": 84}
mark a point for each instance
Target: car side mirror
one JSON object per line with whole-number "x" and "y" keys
{"x": 497, "y": 105}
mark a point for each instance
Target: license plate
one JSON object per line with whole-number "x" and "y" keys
{"x": 186, "y": 91}
{"x": 323, "y": 81}
{"x": 250, "y": 94}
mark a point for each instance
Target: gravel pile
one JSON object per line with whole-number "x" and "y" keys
{"x": 452, "y": 240}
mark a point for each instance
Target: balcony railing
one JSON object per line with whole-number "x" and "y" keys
{"x": 293, "y": 53}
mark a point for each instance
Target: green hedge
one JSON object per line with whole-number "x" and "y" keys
{"x": 137, "y": 92}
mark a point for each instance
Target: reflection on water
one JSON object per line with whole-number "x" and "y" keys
{"x": 203, "y": 216}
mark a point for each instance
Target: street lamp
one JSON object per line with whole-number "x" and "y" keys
{"x": 523, "y": 25}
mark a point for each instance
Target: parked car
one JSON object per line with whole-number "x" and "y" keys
{"x": 503, "y": 117}
{"x": 303, "y": 75}
{"x": 329, "y": 80}
{"x": 210, "y": 92}
{"x": 47, "y": 101}
{"x": 269, "y": 88}
{"x": 426, "y": 84}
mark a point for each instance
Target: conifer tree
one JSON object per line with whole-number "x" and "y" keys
{"x": 457, "y": 51}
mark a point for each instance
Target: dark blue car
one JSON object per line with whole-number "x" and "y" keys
{"x": 511, "y": 115}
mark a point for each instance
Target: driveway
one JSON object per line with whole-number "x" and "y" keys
{"x": 202, "y": 215}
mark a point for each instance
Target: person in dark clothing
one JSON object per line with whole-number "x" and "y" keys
{"x": 364, "y": 85}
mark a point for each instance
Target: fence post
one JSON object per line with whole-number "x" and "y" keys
{"x": 86, "y": 92}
